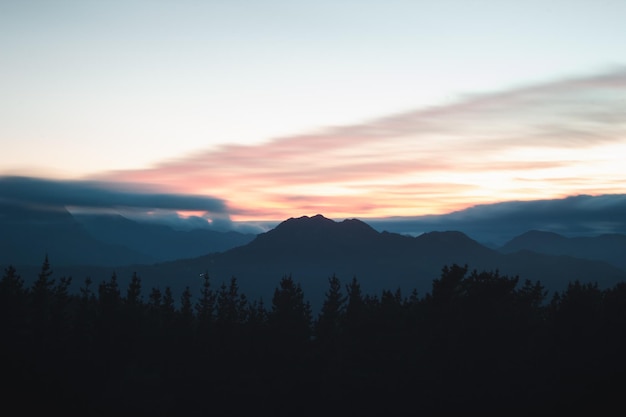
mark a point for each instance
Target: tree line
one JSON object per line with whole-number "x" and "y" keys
{"x": 478, "y": 342}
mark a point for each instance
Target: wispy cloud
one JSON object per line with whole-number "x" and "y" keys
{"x": 134, "y": 200}
{"x": 497, "y": 223}
{"x": 543, "y": 141}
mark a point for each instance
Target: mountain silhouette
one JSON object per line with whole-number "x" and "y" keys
{"x": 497, "y": 223}
{"x": 610, "y": 248}
{"x": 317, "y": 236}
{"x": 29, "y": 233}
{"x": 311, "y": 249}
{"x": 158, "y": 241}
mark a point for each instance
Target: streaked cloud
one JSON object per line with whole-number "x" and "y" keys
{"x": 132, "y": 200}
{"x": 581, "y": 215}
{"x": 559, "y": 138}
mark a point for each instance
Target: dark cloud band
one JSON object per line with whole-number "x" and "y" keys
{"x": 91, "y": 194}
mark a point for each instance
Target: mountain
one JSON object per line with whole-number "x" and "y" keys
{"x": 495, "y": 224}
{"x": 312, "y": 249}
{"x": 28, "y": 233}
{"x": 158, "y": 241}
{"x": 609, "y": 248}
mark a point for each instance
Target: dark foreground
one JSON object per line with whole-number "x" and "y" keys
{"x": 479, "y": 343}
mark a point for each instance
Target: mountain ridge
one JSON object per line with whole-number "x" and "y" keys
{"x": 28, "y": 233}
{"x": 609, "y": 247}
{"x": 382, "y": 261}
{"x": 311, "y": 249}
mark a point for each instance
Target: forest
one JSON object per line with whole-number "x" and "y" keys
{"x": 478, "y": 343}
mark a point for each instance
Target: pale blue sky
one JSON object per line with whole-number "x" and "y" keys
{"x": 92, "y": 86}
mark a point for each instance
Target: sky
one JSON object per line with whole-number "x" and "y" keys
{"x": 275, "y": 109}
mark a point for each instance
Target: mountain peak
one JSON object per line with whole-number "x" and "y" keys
{"x": 453, "y": 242}
{"x": 319, "y": 224}
{"x": 318, "y": 218}
{"x": 534, "y": 240}
{"x": 311, "y": 234}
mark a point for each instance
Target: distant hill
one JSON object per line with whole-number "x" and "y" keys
{"x": 610, "y": 248}
{"x": 160, "y": 242}
{"x": 311, "y": 249}
{"x": 29, "y": 233}
{"x": 497, "y": 223}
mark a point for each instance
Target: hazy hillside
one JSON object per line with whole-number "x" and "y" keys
{"x": 311, "y": 249}
{"x": 495, "y": 224}
{"x": 610, "y": 248}
{"x": 29, "y": 233}
{"x": 159, "y": 241}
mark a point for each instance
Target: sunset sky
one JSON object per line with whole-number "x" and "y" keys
{"x": 271, "y": 109}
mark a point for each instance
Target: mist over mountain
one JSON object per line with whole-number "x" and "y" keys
{"x": 30, "y": 232}
{"x": 159, "y": 241}
{"x": 392, "y": 339}
{"x": 490, "y": 224}
{"x": 610, "y": 248}
{"x": 496, "y": 224}
{"x": 312, "y": 249}
{"x": 564, "y": 243}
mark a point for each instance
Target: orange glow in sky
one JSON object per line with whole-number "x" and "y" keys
{"x": 544, "y": 141}
{"x": 348, "y": 109}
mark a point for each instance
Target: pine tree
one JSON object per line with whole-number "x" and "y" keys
{"x": 205, "y": 307}
{"x": 155, "y": 299}
{"x": 186, "y": 308}
{"x": 168, "y": 303}
{"x": 231, "y": 305}
{"x": 167, "y": 313}
{"x": 256, "y": 315}
{"x": 448, "y": 287}
{"x": 111, "y": 320}
{"x": 133, "y": 294}
{"x": 290, "y": 318}
{"x": 13, "y": 307}
{"x": 355, "y": 310}
{"x": 109, "y": 293}
{"x": 390, "y": 311}
{"x": 12, "y": 295}
{"x": 42, "y": 297}
{"x": 84, "y": 326}
{"x": 529, "y": 302}
{"x": 11, "y": 285}
{"x": 60, "y": 314}
{"x": 328, "y": 324}
{"x": 42, "y": 287}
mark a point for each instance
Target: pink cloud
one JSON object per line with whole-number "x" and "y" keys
{"x": 429, "y": 159}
